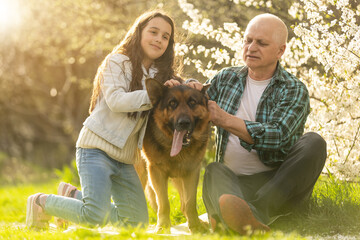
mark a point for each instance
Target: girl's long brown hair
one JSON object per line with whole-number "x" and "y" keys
{"x": 130, "y": 46}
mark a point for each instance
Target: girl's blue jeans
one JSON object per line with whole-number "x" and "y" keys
{"x": 102, "y": 179}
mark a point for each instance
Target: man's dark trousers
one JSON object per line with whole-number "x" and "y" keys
{"x": 273, "y": 193}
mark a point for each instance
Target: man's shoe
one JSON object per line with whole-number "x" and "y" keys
{"x": 35, "y": 215}
{"x": 213, "y": 223}
{"x": 238, "y": 215}
{"x": 216, "y": 225}
{"x": 65, "y": 190}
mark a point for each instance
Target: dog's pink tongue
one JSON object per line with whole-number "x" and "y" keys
{"x": 177, "y": 142}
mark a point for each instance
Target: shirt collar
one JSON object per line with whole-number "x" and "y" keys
{"x": 277, "y": 77}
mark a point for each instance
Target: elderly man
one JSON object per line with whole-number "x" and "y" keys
{"x": 264, "y": 166}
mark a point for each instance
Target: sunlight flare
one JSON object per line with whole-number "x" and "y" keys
{"x": 9, "y": 15}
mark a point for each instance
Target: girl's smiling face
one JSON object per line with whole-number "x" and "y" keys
{"x": 155, "y": 40}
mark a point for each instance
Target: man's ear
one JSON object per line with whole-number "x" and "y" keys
{"x": 155, "y": 90}
{"x": 281, "y": 51}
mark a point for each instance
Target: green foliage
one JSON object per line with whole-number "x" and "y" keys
{"x": 69, "y": 173}
{"x": 13, "y": 199}
{"x": 17, "y": 171}
{"x": 334, "y": 209}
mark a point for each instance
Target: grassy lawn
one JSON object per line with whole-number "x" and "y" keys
{"x": 334, "y": 213}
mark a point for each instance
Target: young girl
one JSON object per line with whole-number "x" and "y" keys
{"x": 111, "y": 138}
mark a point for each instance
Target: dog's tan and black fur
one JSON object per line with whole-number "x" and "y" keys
{"x": 174, "y": 145}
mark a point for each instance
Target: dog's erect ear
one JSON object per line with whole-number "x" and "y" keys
{"x": 155, "y": 90}
{"x": 205, "y": 88}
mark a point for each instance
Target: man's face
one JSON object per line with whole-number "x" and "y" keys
{"x": 262, "y": 49}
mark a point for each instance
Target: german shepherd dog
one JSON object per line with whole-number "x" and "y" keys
{"x": 174, "y": 146}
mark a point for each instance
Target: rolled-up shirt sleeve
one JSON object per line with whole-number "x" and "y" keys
{"x": 284, "y": 120}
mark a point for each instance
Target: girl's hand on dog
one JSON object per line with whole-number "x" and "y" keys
{"x": 196, "y": 85}
{"x": 172, "y": 83}
{"x": 193, "y": 84}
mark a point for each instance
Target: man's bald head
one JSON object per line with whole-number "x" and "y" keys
{"x": 278, "y": 27}
{"x": 264, "y": 44}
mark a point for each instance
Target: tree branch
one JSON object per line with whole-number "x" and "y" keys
{"x": 353, "y": 144}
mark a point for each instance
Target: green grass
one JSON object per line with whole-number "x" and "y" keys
{"x": 334, "y": 211}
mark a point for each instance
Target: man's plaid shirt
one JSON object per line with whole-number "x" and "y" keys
{"x": 280, "y": 116}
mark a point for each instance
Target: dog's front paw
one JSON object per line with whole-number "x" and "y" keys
{"x": 162, "y": 229}
{"x": 199, "y": 227}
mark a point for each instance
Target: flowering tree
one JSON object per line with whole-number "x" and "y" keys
{"x": 324, "y": 52}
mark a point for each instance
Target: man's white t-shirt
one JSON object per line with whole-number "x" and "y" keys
{"x": 237, "y": 158}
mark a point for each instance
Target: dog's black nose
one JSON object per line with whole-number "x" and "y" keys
{"x": 183, "y": 123}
